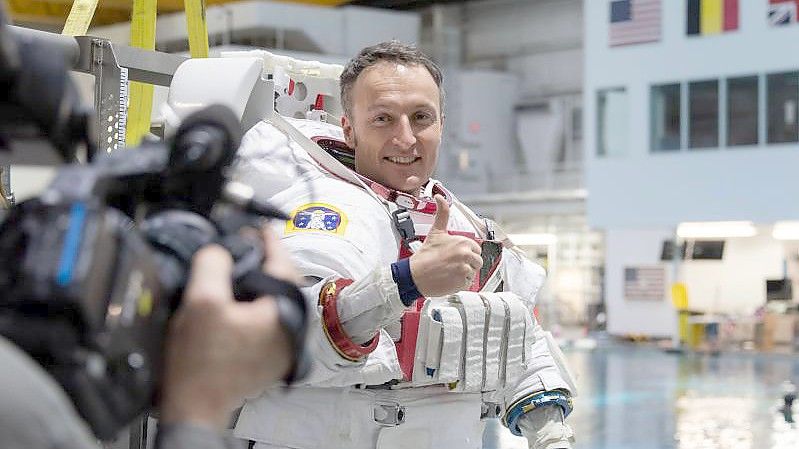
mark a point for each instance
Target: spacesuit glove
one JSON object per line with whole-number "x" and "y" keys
{"x": 544, "y": 429}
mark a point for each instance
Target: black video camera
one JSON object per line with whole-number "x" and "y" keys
{"x": 92, "y": 269}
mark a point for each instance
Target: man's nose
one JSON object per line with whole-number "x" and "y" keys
{"x": 404, "y": 137}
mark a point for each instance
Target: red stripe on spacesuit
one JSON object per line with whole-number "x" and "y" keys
{"x": 331, "y": 324}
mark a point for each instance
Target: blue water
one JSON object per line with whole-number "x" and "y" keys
{"x": 643, "y": 398}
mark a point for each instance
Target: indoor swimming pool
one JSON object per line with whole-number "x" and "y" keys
{"x": 643, "y": 398}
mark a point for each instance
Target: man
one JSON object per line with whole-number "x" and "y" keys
{"x": 218, "y": 351}
{"x": 367, "y": 265}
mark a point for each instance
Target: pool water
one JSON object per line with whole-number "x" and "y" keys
{"x": 643, "y": 398}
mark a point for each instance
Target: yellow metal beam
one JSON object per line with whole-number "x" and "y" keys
{"x": 80, "y": 18}
{"x": 50, "y": 12}
{"x": 111, "y": 11}
{"x": 142, "y": 35}
{"x": 319, "y": 2}
{"x": 163, "y": 5}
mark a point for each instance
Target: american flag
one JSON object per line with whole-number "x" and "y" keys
{"x": 644, "y": 283}
{"x": 634, "y": 21}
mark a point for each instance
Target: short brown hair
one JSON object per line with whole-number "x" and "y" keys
{"x": 389, "y": 51}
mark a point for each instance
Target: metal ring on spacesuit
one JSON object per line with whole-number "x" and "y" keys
{"x": 331, "y": 324}
{"x": 558, "y": 397}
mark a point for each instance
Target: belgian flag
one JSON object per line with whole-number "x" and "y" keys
{"x": 711, "y": 16}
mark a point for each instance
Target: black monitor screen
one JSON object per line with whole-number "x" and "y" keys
{"x": 708, "y": 250}
{"x": 778, "y": 289}
{"x": 667, "y": 251}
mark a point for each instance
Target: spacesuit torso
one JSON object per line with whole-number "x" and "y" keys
{"x": 339, "y": 229}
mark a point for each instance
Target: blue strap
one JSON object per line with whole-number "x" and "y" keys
{"x": 69, "y": 252}
{"x": 534, "y": 401}
{"x": 401, "y": 272}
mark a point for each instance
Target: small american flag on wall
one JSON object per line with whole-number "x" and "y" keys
{"x": 644, "y": 283}
{"x": 634, "y": 22}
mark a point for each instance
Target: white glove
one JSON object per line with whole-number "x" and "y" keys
{"x": 544, "y": 428}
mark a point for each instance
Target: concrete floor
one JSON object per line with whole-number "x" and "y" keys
{"x": 643, "y": 398}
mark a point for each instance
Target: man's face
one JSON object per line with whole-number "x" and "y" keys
{"x": 395, "y": 125}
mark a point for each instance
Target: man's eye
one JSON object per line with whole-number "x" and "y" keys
{"x": 382, "y": 119}
{"x": 423, "y": 117}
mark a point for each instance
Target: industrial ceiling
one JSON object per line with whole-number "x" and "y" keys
{"x": 51, "y": 14}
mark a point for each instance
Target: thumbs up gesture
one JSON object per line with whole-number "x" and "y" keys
{"x": 445, "y": 263}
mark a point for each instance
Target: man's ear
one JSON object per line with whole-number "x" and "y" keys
{"x": 349, "y": 134}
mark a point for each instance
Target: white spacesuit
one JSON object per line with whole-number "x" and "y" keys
{"x": 373, "y": 383}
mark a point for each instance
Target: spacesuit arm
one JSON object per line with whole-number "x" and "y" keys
{"x": 545, "y": 371}
{"x": 366, "y": 296}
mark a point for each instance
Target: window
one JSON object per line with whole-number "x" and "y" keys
{"x": 613, "y": 120}
{"x": 783, "y": 98}
{"x": 577, "y": 124}
{"x": 666, "y": 117}
{"x": 742, "y": 111}
{"x": 703, "y": 116}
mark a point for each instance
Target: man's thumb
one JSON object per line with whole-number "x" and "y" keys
{"x": 442, "y": 215}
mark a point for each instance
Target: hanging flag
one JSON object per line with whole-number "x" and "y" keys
{"x": 644, "y": 283}
{"x": 711, "y": 16}
{"x": 634, "y": 22}
{"x": 782, "y": 12}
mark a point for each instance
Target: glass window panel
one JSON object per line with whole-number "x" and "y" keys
{"x": 783, "y": 98}
{"x": 742, "y": 111}
{"x": 613, "y": 121}
{"x": 666, "y": 117}
{"x": 703, "y": 116}
{"x": 577, "y": 123}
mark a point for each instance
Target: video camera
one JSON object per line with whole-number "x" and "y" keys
{"x": 92, "y": 269}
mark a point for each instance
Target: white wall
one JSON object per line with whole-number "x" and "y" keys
{"x": 643, "y": 189}
{"x": 665, "y": 189}
{"x": 736, "y": 284}
{"x": 733, "y": 286}
{"x": 629, "y": 248}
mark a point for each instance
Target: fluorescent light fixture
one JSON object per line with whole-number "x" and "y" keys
{"x": 716, "y": 229}
{"x": 533, "y": 239}
{"x": 786, "y": 230}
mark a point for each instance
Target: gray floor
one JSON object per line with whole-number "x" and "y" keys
{"x": 643, "y": 398}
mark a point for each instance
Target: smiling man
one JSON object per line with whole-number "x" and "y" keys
{"x": 393, "y": 121}
{"x": 413, "y": 347}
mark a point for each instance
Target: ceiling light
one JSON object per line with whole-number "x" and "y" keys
{"x": 716, "y": 229}
{"x": 786, "y": 230}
